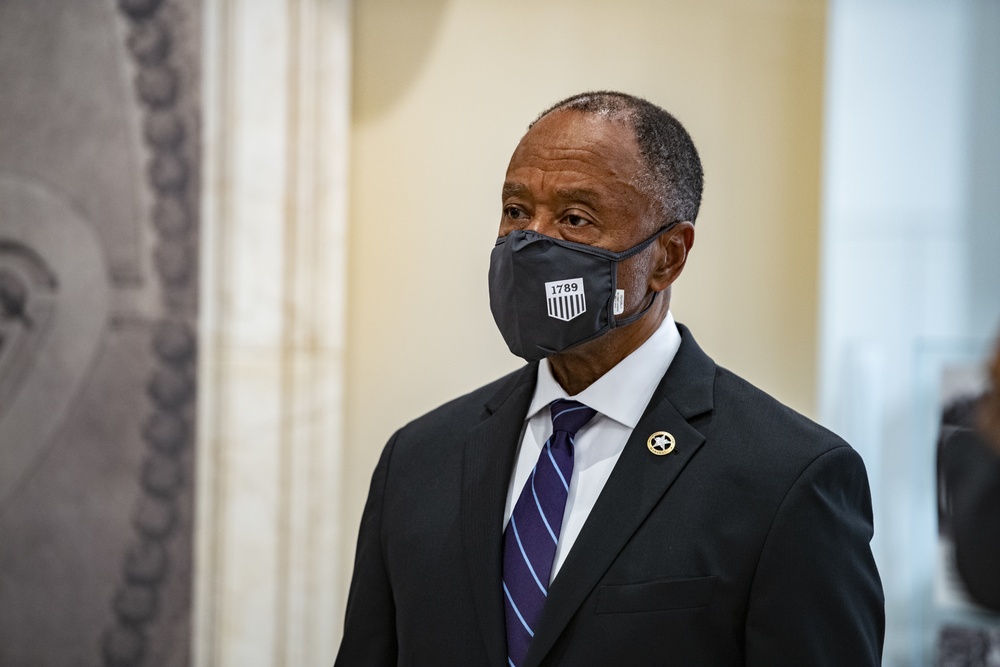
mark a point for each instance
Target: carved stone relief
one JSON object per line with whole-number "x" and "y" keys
{"x": 99, "y": 146}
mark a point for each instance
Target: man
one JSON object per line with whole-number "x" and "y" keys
{"x": 971, "y": 467}
{"x": 623, "y": 501}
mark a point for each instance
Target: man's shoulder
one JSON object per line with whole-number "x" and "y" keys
{"x": 742, "y": 414}
{"x": 749, "y": 414}
{"x": 461, "y": 414}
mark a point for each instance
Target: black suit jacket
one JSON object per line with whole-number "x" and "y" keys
{"x": 749, "y": 544}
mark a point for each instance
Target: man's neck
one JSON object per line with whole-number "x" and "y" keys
{"x": 579, "y": 367}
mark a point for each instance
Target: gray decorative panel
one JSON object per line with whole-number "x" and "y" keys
{"x": 99, "y": 180}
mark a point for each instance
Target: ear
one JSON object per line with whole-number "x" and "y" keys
{"x": 672, "y": 252}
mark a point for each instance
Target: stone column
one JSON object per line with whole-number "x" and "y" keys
{"x": 276, "y": 79}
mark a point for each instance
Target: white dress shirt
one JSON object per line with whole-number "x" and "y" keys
{"x": 620, "y": 397}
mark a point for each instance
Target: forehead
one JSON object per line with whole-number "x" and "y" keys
{"x": 570, "y": 146}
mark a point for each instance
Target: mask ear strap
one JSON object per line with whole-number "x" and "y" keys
{"x": 635, "y": 250}
{"x": 633, "y": 318}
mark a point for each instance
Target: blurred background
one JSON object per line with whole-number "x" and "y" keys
{"x": 241, "y": 243}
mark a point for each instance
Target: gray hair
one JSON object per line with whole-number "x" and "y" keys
{"x": 672, "y": 173}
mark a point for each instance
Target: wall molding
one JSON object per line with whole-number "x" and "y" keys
{"x": 270, "y": 435}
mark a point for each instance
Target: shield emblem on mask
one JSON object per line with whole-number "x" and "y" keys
{"x": 565, "y": 299}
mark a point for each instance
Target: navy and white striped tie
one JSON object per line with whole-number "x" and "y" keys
{"x": 533, "y": 530}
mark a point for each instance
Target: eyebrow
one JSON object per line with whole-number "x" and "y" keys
{"x": 582, "y": 195}
{"x": 513, "y": 190}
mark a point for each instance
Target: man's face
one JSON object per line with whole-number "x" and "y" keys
{"x": 573, "y": 177}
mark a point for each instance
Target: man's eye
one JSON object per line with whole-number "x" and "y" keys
{"x": 576, "y": 220}
{"x": 514, "y": 213}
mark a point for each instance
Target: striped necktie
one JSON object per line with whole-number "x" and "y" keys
{"x": 533, "y": 530}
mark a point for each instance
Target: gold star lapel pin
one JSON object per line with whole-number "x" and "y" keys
{"x": 661, "y": 443}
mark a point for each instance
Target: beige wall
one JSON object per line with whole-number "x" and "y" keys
{"x": 442, "y": 91}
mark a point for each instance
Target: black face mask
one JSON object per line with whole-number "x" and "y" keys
{"x": 548, "y": 295}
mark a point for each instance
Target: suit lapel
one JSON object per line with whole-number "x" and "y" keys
{"x": 487, "y": 465}
{"x": 638, "y": 482}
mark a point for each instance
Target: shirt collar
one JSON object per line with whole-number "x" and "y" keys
{"x": 624, "y": 391}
